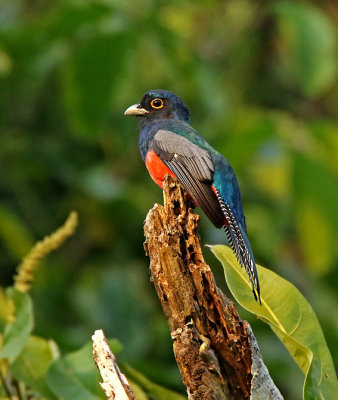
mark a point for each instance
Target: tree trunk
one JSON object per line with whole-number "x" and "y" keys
{"x": 215, "y": 350}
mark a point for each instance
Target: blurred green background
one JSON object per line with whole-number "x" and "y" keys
{"x": 260, "y": 78}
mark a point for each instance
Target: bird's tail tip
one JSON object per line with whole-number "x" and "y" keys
{"x": 257, "y": 295}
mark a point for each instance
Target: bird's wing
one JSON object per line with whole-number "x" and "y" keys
{"x": 193, "y": 167}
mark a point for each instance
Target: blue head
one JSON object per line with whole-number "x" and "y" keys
{"x": 159, "y": 104}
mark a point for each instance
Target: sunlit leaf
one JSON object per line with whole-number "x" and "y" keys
{"x": 32, "y": 364}
{"x": 16, "y": 332}
{"x": 291, "y": 318}
{"x": 307, "y": 46}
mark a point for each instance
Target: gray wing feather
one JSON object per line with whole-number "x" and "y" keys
{"x": 182, "y": 150}
{"x": 194, "y": 169}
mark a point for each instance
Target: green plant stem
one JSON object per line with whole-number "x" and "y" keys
{"x": 21, "y": 396}
{"x": 4, "y": 383}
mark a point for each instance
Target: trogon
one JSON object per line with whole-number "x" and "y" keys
{"x": 169, "y": 145}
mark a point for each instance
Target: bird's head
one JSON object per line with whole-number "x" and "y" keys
{"x": 159, "y": 104}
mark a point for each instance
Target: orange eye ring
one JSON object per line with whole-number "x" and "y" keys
{"x": 157, "y": 103}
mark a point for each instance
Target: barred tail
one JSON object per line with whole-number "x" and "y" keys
{"x": 240, "y": 245}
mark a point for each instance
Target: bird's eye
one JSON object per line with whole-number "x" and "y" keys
{"x": 157, "y": 103}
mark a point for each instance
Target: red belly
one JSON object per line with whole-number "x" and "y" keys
{"x": 157, "y": 169}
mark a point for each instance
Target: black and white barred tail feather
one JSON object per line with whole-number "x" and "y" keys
{"x": 240, "y": 246}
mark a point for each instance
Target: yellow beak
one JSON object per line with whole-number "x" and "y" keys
{"x": 136, "y": 109}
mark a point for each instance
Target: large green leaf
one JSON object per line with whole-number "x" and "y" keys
{"x": 63, "y": 381}
{"x": 307, "y": 46}
{"x": 17, "y": 331}
{"x": 32, "y": 364}
{"x": 292, "y": 319}
{"x": 75, "y": 376}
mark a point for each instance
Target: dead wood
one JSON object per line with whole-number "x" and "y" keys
{"x": 211, "y": 342}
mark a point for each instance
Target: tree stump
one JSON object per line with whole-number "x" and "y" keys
{"x": 212, "y": 345}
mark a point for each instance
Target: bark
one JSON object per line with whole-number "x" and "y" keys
{"x": 115, "y": 384}
{"x": 213, "y": 347}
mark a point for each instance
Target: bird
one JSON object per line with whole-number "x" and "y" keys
{"x": 170, "y": 145}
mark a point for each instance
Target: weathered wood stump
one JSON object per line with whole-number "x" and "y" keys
{"x": 211, "y": 342}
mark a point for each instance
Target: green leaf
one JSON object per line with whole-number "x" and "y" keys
{"x": 307, "y": 46}
{"x": 153, "y": 390}
{"x": 75, "y": 376}
{"x": 16, "y": 333}
{"x": 292, "y": 319}
{"x": 32, "y": 364}
{"x": 63, "y": 381}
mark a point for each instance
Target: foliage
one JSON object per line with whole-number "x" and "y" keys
{"x": 291, "y": 317}
{"x": 32, "y": 367}
{"x": 18, "y": 327}
{"x": 260, "y": 79}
